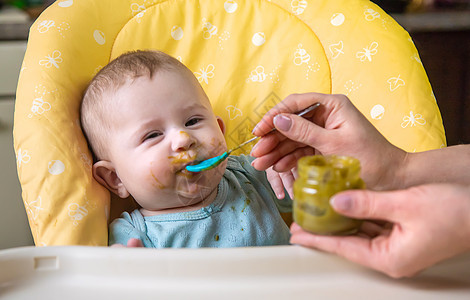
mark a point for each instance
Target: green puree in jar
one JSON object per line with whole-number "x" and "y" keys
{"x": 320, "y": 177}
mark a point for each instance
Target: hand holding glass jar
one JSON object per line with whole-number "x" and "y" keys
{"x": 420, "y": 220}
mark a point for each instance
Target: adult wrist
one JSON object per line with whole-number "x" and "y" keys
{"x": 396, "y": 170}
{"x": 402, "y": 170}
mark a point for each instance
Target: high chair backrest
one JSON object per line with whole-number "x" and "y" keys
{"x": 247, "y": 54}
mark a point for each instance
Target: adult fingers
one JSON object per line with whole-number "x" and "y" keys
{"x": 289, "y": 161}
{"x": 372, "y": 229}
{"x": 364, "y": 204}
{"x": 283, "y": 149}
{"x": 354, "y": 248}
{"x": 291, "y": 104}
{"x": 362, "y": 250}
{"x": 266, "y": 144}
{"x": 301, "y": 130}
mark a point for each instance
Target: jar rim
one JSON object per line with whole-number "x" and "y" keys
{"x": 334, "y": 167}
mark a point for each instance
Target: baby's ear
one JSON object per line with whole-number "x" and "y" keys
{"x": 105, "y": 173}
{"x": 221, "y": 124}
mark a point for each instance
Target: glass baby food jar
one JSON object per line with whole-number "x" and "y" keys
{"x": 320, "y": 177}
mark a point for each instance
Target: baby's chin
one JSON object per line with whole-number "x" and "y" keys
{"x": 181, "y": 201}
{"x": 199, "y": 180}
{"x": 190, "y": 194}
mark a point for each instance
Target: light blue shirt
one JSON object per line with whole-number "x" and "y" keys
{"x": 244, "y": 213}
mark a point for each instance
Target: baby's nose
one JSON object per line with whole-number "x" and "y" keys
{"x": 182, "y": 141}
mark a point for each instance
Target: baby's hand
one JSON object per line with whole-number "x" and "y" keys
{"x": 279, "y": 181}
{"x": 131, "y": 243}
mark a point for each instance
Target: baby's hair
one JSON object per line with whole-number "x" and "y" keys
{"x": 99, "y": 93}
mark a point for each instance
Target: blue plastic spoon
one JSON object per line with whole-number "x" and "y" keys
{"x": 215, "y": 161}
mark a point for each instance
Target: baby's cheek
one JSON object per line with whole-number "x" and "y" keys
{"x": 218, "y": 172}
{"x": 217, "y": 145}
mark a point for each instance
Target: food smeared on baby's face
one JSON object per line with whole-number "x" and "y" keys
{"x": 181, "y": 158}
{"x": 217, "y": 144}
{"x": 184, "y": 133}
{"x": 155, "y": 181}
{"x": 185, "y": 157}
{"x": 187, "y": 174}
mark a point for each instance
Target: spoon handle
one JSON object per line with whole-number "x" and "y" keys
{"x": 243, "y": 144}
{"x": 215, "y": 161}
{"x": 301, "y": 113}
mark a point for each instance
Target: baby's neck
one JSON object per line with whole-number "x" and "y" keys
{"x": 203, "y": 203}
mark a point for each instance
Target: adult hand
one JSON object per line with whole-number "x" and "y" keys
{"x": 335, "y": 127}
{"x": 430, "y": 223}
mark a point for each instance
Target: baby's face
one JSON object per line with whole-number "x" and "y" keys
{"x": 160, "y": 125}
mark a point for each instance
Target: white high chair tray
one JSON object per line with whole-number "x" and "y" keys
{"x": 281, "y": 272}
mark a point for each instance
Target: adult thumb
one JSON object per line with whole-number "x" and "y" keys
{"x": 365, "y": 204}
{"x": 299, "y": 129}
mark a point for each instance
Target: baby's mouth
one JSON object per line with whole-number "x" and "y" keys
{"x": 186, "y": 173}
{"x": 182, "y": 159}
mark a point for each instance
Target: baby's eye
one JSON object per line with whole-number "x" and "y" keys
{"x": 192, "y": 122}
{"x": 152, "y": 135}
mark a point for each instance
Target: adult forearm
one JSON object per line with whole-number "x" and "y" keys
{"x": 446, "y": 165}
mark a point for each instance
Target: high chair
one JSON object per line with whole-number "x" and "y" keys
{"x": 248, "y": 55}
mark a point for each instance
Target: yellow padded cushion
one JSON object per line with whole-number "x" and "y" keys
{"x": 247, "y": 55}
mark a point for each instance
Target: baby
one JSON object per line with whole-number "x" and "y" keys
{"x": 146, "y": 118}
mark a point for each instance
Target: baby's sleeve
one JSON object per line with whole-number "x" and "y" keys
{"x": 126, "y": 227}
